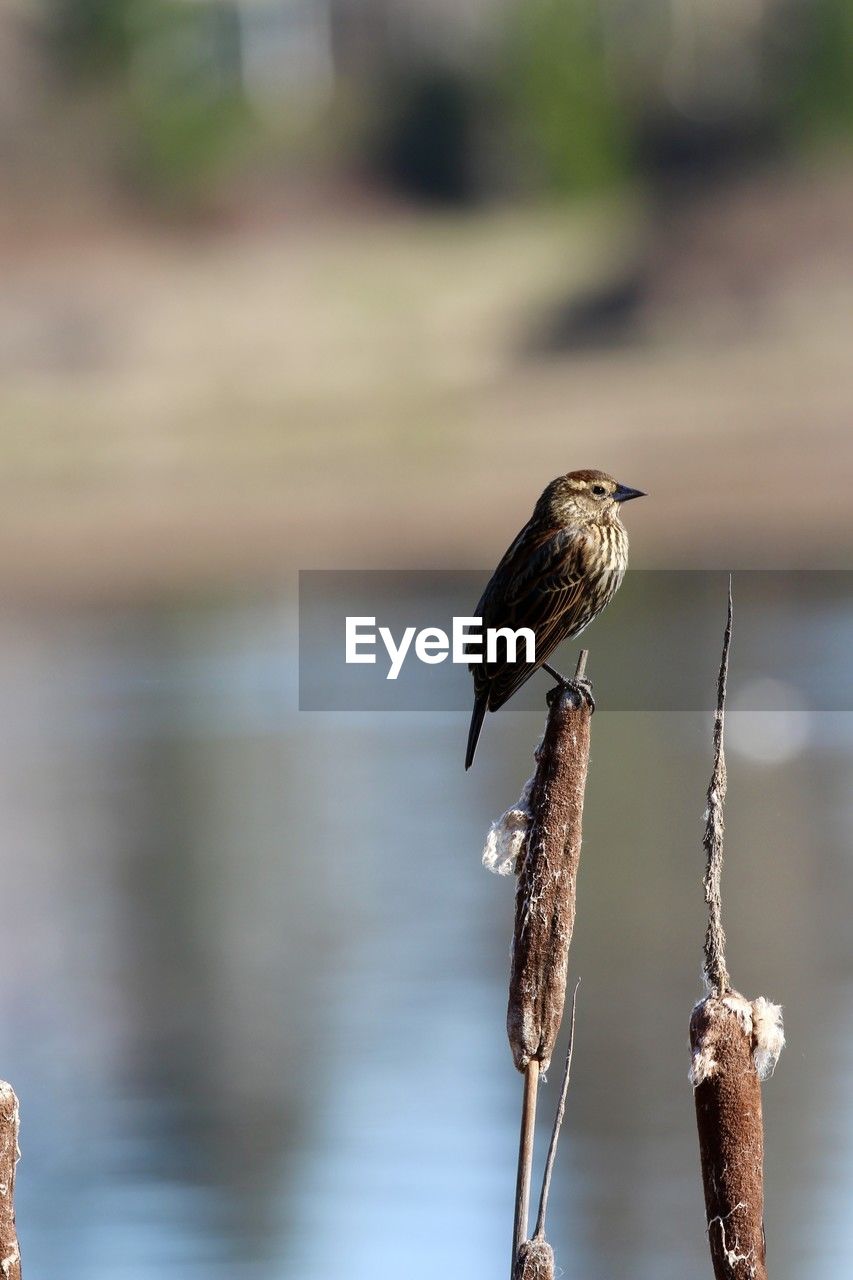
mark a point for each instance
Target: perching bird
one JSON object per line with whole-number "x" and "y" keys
{"x": 563, "y": 568}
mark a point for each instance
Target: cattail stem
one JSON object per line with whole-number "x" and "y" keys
{"x": 525, "y": 1156}
{"x": 533, "y": 1259}
{"x": 10, "y": 1256}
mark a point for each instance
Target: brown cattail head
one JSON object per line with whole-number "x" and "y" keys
{"x": 534, "y": 1260}
{"x": 545, "y": 897}
{"x": 734, "y": 1045}
{"x": 10, "y": 1257}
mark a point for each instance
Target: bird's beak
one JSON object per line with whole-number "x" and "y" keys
{"x": 623, "y": 494}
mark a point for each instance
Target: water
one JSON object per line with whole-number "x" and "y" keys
{"x": 255, "y": 979}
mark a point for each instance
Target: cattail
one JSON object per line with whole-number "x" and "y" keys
{"x": 734, "y": 1044}
{"x": 545, "y": 896}
{"x": 540, "y": 838}
{"x": 10, "y": 1256}
{"x": 535, "y": 1261}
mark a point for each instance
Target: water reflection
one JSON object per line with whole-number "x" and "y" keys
{"x": 255, "y": 998}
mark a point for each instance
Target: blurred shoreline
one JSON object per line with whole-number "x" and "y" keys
{"x": 221, "y": 404}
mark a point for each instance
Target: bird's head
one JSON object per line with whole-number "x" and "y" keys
{"x": 585, "y": 497}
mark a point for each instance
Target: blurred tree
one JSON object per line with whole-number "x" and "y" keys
{"x": 91, "y": 37}
{"x": 818, "y": 95}
{"x": 170, "y": 73}
{"x": 562, "y": 94}
{"x": 446, "y": 100}
{"x": 425, "y": 134}
{"x": 184, "y": 101}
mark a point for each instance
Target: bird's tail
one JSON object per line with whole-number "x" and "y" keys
{"x": 477, "y": 715}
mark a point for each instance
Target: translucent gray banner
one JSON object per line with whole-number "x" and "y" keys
{"x": 656, "y": 647}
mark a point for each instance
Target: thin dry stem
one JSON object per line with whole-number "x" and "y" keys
{"x": 558, "y": 1121}
{"x": 716, "y": 973}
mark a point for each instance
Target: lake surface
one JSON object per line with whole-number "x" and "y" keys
{"x": 255, "y": 983}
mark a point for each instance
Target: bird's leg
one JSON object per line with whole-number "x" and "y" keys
{"x": 554, "y": 673}
{"x": 578, "y": 685}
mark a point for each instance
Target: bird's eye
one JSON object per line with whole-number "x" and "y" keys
{"x": 599, "y": 490}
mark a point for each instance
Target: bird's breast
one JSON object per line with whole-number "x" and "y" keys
{"x": 608, "y": 549}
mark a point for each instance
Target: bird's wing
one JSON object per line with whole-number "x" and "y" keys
{"x": 540, "y": 583}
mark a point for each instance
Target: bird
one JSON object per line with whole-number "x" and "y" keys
{"x": 562, "y": 569}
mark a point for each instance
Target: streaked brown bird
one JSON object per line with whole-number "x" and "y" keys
{"x": 563, "y": 568}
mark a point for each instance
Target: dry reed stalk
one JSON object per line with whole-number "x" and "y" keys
{"x": 10, "y": 1256}
{"x": 734, "y": 1044}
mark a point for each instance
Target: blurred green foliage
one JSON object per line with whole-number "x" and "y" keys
{"x": 559, "y": 99}
{"x": 92, "y": 37}
{"x": 819, "y": 99}
{"x": 183, "y": 98}
{"x": 564, "y": 105}
{"x": 171, "y": 74}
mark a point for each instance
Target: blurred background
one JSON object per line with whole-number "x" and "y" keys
{"x": 292, "y": 284}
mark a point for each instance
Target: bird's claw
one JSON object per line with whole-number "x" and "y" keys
{"x": 583, "y": 688}
{"x": 578, "y": 685}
